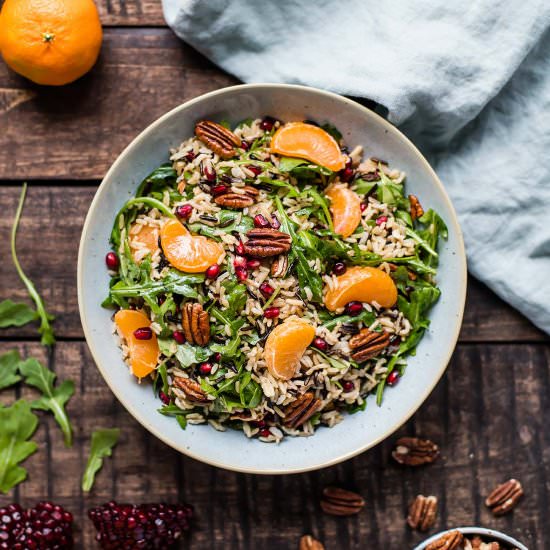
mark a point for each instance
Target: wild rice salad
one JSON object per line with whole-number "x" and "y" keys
{"x": 265, "y": 292}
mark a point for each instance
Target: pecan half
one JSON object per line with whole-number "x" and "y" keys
{"x": 307, "y": 542}
{"x": 368, "y": 344}
{"x": 477, "y": 544}
{"x": 339, "y": 502}
{"x": 301, "y": 410}
{"x": 231, "y": 199}
{"x": 196, "y": 324}
{"x": 416, "y": 208}
{"x": 191, "y": 389}
{"x": 265, "y": 242}
{"x": 279, "y": 266}
{"x": 504, "y": 497}
{"x": 413, "y": 451}
{"x": 448, "y": 541}
{"x": 422, "y": 512}
{"x": 217, "y": 138}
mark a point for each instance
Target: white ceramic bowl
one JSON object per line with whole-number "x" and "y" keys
{"x": 487, "y": 534}
{"x": 232, "y": 450}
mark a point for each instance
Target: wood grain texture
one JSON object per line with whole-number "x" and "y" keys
{"x": 76, "y": 131}
{"x": 144, "y": 13}
{"x": 48, "y": 247}
{"x": 487, "y": 414}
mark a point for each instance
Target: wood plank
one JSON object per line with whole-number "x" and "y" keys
{"x": 488, "y": 414}
{"x": 76, "y": 131}
{"x": 48, "y": 247}
{"x": 143, "y": 13}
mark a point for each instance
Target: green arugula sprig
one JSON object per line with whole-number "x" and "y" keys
{"x": 14, "y": 314}
{"x": 101, "y": 446}
{"x": 45, "y": 329}
{"x": 9, "y": 369}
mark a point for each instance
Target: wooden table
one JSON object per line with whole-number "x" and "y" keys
{"x": 488, "y": 413}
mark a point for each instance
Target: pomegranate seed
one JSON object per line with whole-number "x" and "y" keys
{"x": 244, "y": 145}
{"x": 143, "y": 333}
{"x": 219, "y": 189}
{"x": 275, "y": 223}
{"x": 208, "y": 172}
{"x": 271, "y": 312}
{"x": 161, "y": 299}
{"x": 260, "y": 221}
{"x": 239, "y": 248}
{"x": 217, "y": 357}
{"x": 253, "y": 264}
{"x": 339, "y": 268}
{"x": 213, "y": 271}
{"x": 241, "y": 273}
{"x": 354, "y": 308}
{"x": 205, "y": 368}
{"x": 179, "y": 336}
{"x": 239, "y": 261}
{"x": 255, "y": 169}
{"x": 348, "y": 386}
{"x": 392, "y": 378}
{"x": 111, "y": 259}
{"x": 347, "y": 173}
{"x": 265, "y": 432}
{"x": 164, "y": 398}
{"x": 363, "y": 206}
{"x": 267, "y": 123}
{"x": 320, "y": 343}
{"x": 266, "y": 290}
{"x": 190, "y": 156}
{"x": 259, "y": 424}
{"x": 381, "y": 220}
{"x": 184, "y": 211}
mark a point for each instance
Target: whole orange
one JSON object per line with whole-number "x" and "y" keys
{"x": 50, "y": 41}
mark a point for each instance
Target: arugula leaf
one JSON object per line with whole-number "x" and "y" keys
{"x": 390, "y": 192}
{"x": 102, "y": 445}
{"x": 332, "y": 130}
{"x": 250, "y": 392}
{"x": 287, "y": 164}
{"x": 302, "y": 169}
{"x": 363, "y": 187}
{"x": 291, "y": 190}
{"x": 366, "y": 317}
{"x": 228, "y": 220}
{"x": 9, "y": 368}
{"x": 420, "y": 301}
{"x": 18, "y": 424}
{"x": 162, "y": 176}
{"x": 189, "y": 355}
{"x": 230, "y": 349}
{"x": 53, "y": 399}
{"x": 432, "y": 227}
{"x": 45, "y": 329}
{"x": 179, "y": 414}
{"x": 15, "y": 314}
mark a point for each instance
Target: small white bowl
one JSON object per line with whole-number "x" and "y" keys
{"x": 488, "y": 534}
{"x": 232, "y": 450}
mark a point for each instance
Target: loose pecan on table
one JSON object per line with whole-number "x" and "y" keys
{"x": 196, "y": 324}
{"x": 504, "y": 497}
{"x": 368, "y": 344}
{"x": 232, "y": 199}
{"x": 217, "y": 138}
{"x": 191, "y": 389}
{"x": 307, "y": 542}
{"x": 413, "y": 451}
{"x": 448, "y": 541}
{"x": 422, "y": 512}
{"x": 339, "y": 502}
{"x": 279, "y": 266}
{"x": 301, "y": 410}
{"x": 265, "y": 242}
{"x": 416, "y": 207}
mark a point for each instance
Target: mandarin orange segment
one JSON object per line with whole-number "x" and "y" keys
{"x": 144, "y": 354}
{"x": 148, "y": 238}
{"x": 285, "y": 346}
{"x": 345, "y": 207}
{"x": 364, "y": 284}
{"x": 186, "y": 252}
{"x": 305, "y": 141}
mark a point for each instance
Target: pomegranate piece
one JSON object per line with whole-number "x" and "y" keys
{"x": 179, "y": 336}
{"x": 217, "y": 357}
{"x": 261, "y": 221}
{"x": 266, "y": 289}
{"x": 354, "y": 308}
{"x": 241, "y": 273}
{"x": 339, "y": 268}
{"x": 348, "y": 386}
{"x": 184, "y": 211}
{"x": 267, "y": 123}
{"x": 111, "y": 259}
{"x": 208, "y": 172}
{"x": 164, "y": 398}
{"x": 148, "y": 526}
{"x": 190, "y": 156}
{"x": 213, "y": 271}
{"x": 256, "y": 170}
{"x": 382, "y": 219}
{"x": 264, "y": 432}
{"x": 253, "y": 264}
{"x": 205, "y": 368}
{"x": 363, "y": 206}
{"x": 143, "y": 333}
{"x": 271, "y": 312}
{"x": 275, "y": 223}
{"x": 239, "y": 248}
{"x": 320, "y": 343}
{"x": 392, "y": 378}
{"x": 347, "y": 173}
{"x": 219, "y": 189}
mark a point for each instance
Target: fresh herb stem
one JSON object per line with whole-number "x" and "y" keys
{"x": 271, "y": 298}
{"x": 45, "y": 329}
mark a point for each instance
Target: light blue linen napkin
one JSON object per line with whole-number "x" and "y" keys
{"x": 469, "y": 82}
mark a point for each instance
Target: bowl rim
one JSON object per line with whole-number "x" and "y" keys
{"x": 473, "y": 530}
{"x": 452, "y": 222}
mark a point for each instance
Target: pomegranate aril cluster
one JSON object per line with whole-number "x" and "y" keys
{"x": 47, "y": 526}
{"x": 145, "y": 526}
